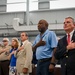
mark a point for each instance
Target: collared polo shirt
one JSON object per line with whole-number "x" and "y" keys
{"x": 51, "y": 42}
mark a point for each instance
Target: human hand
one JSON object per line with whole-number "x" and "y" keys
{"x": 25, "y": 70}
{"x": 51, "y": 68}
{"x": 12, "y": 52}
{"x": 71, "y": 45}
{"x": 20, "y": 48}
{"x": 4, "y": 49}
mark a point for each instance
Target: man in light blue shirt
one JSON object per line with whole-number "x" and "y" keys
{"x": 45, "y": 44}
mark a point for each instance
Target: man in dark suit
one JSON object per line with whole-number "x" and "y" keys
{"x": 66, "y": 48}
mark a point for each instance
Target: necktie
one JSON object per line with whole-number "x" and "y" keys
{"x": 68, "y": 38}
{"x": 21, "y": 44}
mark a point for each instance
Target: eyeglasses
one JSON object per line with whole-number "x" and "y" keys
{"x": 24, "y": 35}
{"x": 5, "y": 41}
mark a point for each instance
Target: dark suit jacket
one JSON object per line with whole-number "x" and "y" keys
{"x": 67, "y": 59}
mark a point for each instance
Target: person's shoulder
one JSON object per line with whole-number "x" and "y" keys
{"x": 11, "y": 49}
{"x": 29, "y": 43}
{"x": 37, "y": 35}
{"x": 62, "y": 38}
{"x": 51, "y": 33}
{"x": 9, "y": 46}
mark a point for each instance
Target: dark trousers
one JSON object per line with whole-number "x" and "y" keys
{"x": 33, "y": 70}
{"x": 43, "y": 68}
{"x": 4, "y": 67}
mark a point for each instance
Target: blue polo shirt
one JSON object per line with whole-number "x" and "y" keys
{"x": 13, "y": 59}
{"x": 51, "y": 42}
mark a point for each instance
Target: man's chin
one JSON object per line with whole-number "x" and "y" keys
{"x": 40, "y": 30}
{"x": 66, "y": 29}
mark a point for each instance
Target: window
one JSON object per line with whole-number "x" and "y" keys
{"x": 62, "y": 4}
{"x": 16, "y": 5}
{"x": 20, "y": 5}
{"x": 33, "y": 5}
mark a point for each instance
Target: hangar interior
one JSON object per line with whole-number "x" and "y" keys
{"x": 13, "y": 23}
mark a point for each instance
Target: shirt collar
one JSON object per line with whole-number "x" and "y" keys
{"x": 24, "y": 42}
{"x": 71, "y": 33}
{"x": 45, "y": 33}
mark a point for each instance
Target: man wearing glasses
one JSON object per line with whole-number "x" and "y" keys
{"x": 24, "y": 56}
{"x": 4, "y": 62}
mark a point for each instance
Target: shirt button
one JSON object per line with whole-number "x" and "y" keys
{"x": 66, "y": 56}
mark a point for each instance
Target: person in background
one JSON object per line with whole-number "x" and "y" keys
{"x": 0, "y": 45}
{"x": 0, "y": 50}
{"x": 45, "y": 45}
{"x": 66, "y": 48}
{"x": 34, "y": 63}
{"x": 24, "y": 56}
{"x": 15, "y": 45}
{"x": 4, "y": 62}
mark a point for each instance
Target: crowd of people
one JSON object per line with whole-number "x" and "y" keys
{"x": 21, "y": 58}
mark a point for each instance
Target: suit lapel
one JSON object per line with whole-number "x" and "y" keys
{"x": 25, "y": 42}
{"x": 73, "y": 37}
{"x": 65, "y": 40}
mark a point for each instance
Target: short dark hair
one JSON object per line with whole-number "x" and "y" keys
{"x": 43, "y": 21}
